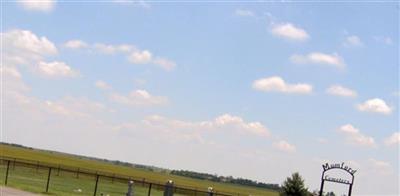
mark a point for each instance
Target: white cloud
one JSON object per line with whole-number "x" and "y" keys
{"x": 319, "y": 58}
{"x": 140, "y": 3}
{"x": 353, "y": 40}
{"x": 22, "y": 47}
{"x": 354, "y": 136}
{"x": 284, "y": 146}
{"x": 134, "y": 55}
{"x": 56, "y": 69}
{"x": 393, "y": 140}
{"x": 75, "y": 44}
{"x": 112, "y": 49}
{"x": 139, "y": 98}
{"x": 165, "y": 63}
{"x": 243, "y": 12}
{"x": 226, "y": 123}
{"x": 289, "y": 31}
{"x": 37, "y": 5}
{"x": 10, "y": 71}
{"x": 102, "y": 85}
{"x": 140, "y": 57}
{"x": 277, "y": 84}
{"x": 13, "y": 85}
{"x": 253, "y": 127}
{"x": 341, "y": 91}
{"x": 375, "y": 105}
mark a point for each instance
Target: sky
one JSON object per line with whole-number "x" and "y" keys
{"x": 250, "y": 89}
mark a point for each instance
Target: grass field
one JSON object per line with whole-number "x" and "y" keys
{"x": 65, "y": 183}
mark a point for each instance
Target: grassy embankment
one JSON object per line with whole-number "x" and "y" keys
{"x": 65, "y": 183}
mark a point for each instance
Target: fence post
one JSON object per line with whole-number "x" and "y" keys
{"x": 8, "y": 167}
{"x": 148, "y": 193}
{"x": 48, "y": 180}
{"x": 112, "y": 179}
{"x": 77, "y": 173}
{"x": 37, "y": 167}
{"x": 95, "y": 187}
{"x": 58, "y": 170}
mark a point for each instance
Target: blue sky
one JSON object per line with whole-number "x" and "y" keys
{"x": 261, "y": 90}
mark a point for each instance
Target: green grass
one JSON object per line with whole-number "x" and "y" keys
{"x": 66, "y": 183}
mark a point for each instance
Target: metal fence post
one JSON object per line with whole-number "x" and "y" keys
{"x": 95, "y": 187}
{"x": 148, "y": 193}
{"x": 48, "y": 180}
{"x": 8, "y": 167}
{"x": 58, "y": 170}
{"x": 77, "y": 173}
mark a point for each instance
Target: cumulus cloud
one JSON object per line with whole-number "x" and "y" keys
{"x": 225, "y": 123}
{"x": 165, "y": 63}
{"x": 277, "y": 84}
{"x": 75, "y": 44}
{"x": 375, "y": 105}
{"x": 353, "y": 40}
{"x": 354, "y": 136}
{"x": 341, "y": 91}
{"x": 253, "y": 127}
{"x": 244, "y": 12}
{"x": 319, "y": 58}
{"x": 133, "y": 54}
{"x": 140, "y": 57}
{"x": 22, "y": 47}
{"x": 393, "y": 140}
{"x": 139, "y": 98}
{"x": 284, "y": 146}
{"x": 290, "y": 32}
{"x": 56, "y": 69}
{"x": 37, "y": 5}
{"x": 102, "y": 85}
{"x": 113, "y": 49}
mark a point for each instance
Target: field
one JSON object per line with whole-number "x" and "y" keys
{"x": 66, "y": 183}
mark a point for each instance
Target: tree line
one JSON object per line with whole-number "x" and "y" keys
{"x": 225, "y": 179}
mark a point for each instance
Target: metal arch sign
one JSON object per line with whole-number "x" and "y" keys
{"x": 340, "y": 166}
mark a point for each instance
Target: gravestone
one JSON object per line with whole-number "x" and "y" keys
{"x": 210, "y": 191}
{"x": 130, "y": 188}
{"x": 169, "y": 188}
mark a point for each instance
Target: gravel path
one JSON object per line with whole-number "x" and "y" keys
{"x": 7, "y": 191}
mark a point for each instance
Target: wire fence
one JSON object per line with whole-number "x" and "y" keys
{"x": 64, "y": 180}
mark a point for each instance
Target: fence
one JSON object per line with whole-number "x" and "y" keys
{"x": 65, "y": 180}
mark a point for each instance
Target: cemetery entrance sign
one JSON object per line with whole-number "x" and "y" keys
{"x": 340, "y": 166}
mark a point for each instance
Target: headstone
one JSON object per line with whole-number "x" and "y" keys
{"x": 210, "y": 191}
{"x": 169, "y": 188}
{"x": 130, "y": 188}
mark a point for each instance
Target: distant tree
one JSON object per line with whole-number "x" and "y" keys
{"x": 294, "y": 186}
